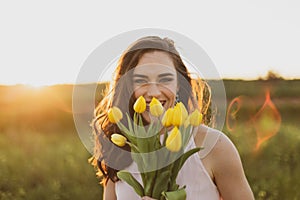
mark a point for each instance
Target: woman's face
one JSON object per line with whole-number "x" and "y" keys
{"x": 155, "y": 76}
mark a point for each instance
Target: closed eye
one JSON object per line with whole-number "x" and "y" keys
{"x": 139, "y": 81}
{"x": 166, "y": 80}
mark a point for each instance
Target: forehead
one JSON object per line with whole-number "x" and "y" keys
{"x": 155, "y": 63}
{"x": 156, "y": 57}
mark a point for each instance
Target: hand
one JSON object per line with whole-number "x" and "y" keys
{"x": 147, "y": 198}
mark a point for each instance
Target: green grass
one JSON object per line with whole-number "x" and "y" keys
{"x": 45, "y": 166}
{"x": 273, "y": 170}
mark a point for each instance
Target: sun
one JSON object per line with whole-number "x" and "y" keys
{"x": 36, "y": 86}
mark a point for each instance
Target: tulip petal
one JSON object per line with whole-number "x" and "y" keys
{"x": 156, "y": 109}
{"x": 114, "y": 115}
{"x": 195, "y": 118}
{"x": 118, "y": 139}
{"x": 180, "y": 114}
{"x": 174, "y": 140}
{"x": 140, "y": 105}
{"x": 167, "y": 119}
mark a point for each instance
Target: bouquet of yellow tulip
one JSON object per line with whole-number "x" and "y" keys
{"x": 158, "y": 161}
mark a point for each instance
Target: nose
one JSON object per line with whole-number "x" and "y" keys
{"x": 153, "y": 90}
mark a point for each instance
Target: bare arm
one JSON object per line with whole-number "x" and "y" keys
{"x": 228, "y": 171}
{"x": 109, "y": 191}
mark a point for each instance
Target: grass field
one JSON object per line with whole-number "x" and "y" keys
{"x": 42, "y": 157}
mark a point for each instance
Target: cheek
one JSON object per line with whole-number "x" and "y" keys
{"x": 169, "y": 92}
{"x": 139, "y": 92}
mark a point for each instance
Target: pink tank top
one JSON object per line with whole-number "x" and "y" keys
{"x": 193, "y": 175}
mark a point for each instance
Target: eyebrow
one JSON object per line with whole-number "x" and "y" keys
{"x": 140, "y": 75}
{"x": 165, "y": 74}
{"x": 160, "y": 75}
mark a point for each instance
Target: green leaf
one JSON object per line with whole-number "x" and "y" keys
{"x": 187, "y": 154}
{"x": 138, "y": 127}
{"x": 161, "y": 182}
{"x": 128, "y": 178}
{"x": 186, "y": 134}
{"x": 181, "y": 160}
{"x": 149, "y": 182}
{"x": 129, "y": 124}
{"x": 126, "y": 132}
{"x": 165, "y": 137}
{"x": 179, "y": 194}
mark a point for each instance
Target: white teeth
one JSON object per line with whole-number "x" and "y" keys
{"x": 162, "y": 103}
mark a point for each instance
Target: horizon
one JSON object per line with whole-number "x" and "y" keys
{"x": 49, "y": 83}
{"x": 261, "y": 78}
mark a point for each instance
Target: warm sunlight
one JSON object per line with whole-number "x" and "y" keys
{"x": 35, "y": 86}
{"x": 39, "y": 84}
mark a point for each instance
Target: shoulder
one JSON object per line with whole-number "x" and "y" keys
{"x": 224, "y": 158}
{"x": 215, "y": 143}
{"x": 209, "y": 139}
{"x": 223, "y": 163}
{"x": 219, "y": 153}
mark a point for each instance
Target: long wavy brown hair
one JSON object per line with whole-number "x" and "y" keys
{"x": 193, "y": 93}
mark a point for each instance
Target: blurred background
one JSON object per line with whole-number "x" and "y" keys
{"x": 41, "y": 155}
{"x": 254, "y": 45}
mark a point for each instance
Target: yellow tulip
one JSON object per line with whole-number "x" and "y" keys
{"x": 167, "y": 119}
{"x": 180, "y": 114}
{"x": 140, "y": 105}
{"x": 174, "y": 141}
{"x": 156, "y": 109}
{"x": 118, "y": 139}
{"x": 195, "y": 118}
{"x": 187, "y": 122}
{"x": 114, "y": 115}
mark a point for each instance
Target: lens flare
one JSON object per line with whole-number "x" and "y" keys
{"x": 251, "y": 126}
{"x": 233, "y": 109}
{"x": 240, "y": 111}
{"x": 267, "y": 121}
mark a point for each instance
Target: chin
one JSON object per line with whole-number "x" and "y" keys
{"x": 146, "y": 117}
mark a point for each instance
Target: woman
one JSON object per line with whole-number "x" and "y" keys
{"x": 152, "y": 67}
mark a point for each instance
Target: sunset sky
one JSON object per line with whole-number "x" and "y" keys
{"x": 47, "y": 42}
